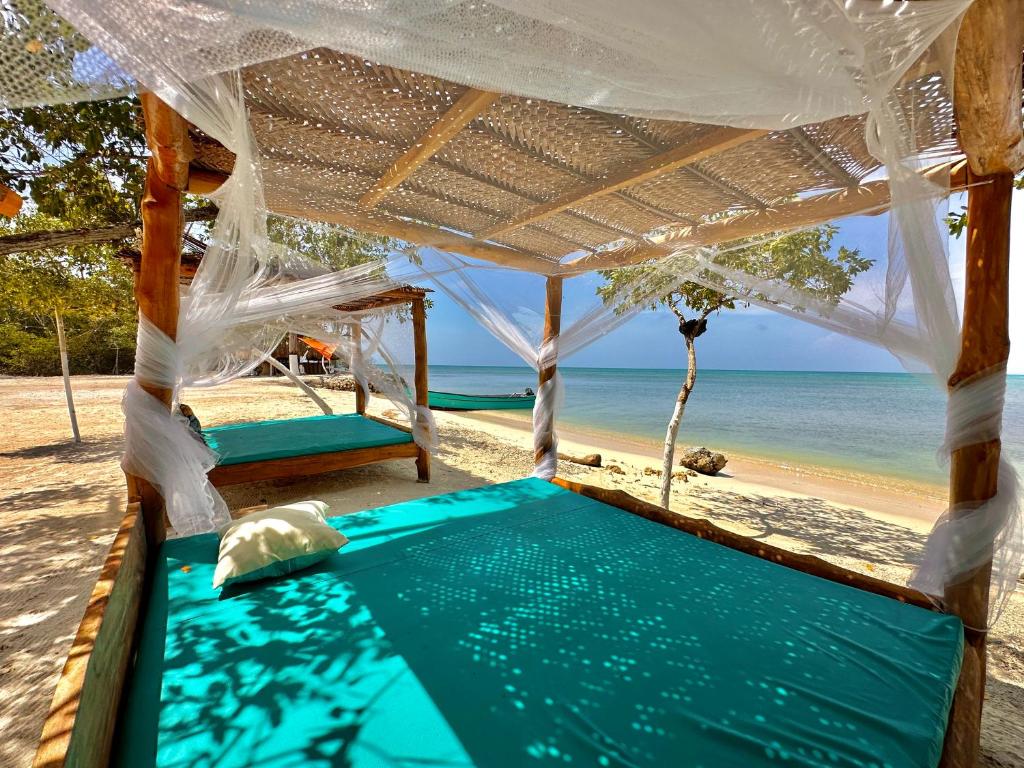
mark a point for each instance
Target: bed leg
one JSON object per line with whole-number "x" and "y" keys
{"x": 422, "y": 466}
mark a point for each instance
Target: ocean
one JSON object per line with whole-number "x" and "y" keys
{"x": 879, "y": 423}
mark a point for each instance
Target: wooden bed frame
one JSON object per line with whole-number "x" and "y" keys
{"x": 315, "y": 464}
{"x": 319, "y": 463}
{"x": 80, "y": 729}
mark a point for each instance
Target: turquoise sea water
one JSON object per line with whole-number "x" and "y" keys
{"x": 881, "y": 423}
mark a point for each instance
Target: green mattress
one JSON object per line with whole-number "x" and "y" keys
{"x": 284, "y": 438}
{"x": 522, "y": 624}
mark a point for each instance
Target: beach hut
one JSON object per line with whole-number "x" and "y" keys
{"x": 559, "y": 142}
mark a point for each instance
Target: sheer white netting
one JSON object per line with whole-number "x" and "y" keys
{"x": 877, "y": 70}
{"x": 516, "y": 317}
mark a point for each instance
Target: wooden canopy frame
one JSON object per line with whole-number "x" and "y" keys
{"x": 332, "y": 461}
{"x": 320, "y": 463}
{"x": 987, "y": 102}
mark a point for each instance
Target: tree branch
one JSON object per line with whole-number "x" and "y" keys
{"x": 54, "y": 238}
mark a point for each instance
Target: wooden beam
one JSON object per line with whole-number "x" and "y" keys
{"x": 705, "y": 146}
{"x": 987, "y": 86}
{"x": 705, "y": 529}
{"x": 79, "y": 731}
{"x": 974, "y": 469}
{"x": 403, "y": 295}
{"x": 419, "y": 336}
{"x": 203, "y": 181}
{"x": 872, "y": 197}
{"x": 447, "y": 165}
{"x": 61, "y": 238}
{"x": 168, "y": 141}
{"x": 388, "y": 423}
{"x": 400, "y": 229}
{"x": 10, "y": 202}
{"x": 156, "y": 282}
{"x": 458, "y": 116}
{"x": 544, "y": 434}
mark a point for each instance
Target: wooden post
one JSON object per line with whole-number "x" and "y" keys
{"x": 985, "y": 345}
{"x": 62, "y": 345}
{"x": 552, "y": 327}
{"x": 293, "y": 353}
{"x": 419, "y": 335}
{"x": 156, "y": 283}
{"x": 987, "y": 102}
{"x": 356, "y": 331}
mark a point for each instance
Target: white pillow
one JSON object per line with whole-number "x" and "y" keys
{"x": 274, "y": 542}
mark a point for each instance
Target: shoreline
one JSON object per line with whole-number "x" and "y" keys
{"x": 886, "y": 496}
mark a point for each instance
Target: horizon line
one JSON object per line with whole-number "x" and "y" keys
{"x": 656, "y": 368}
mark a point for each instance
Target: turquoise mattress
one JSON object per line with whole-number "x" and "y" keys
{"x": 521, "y": 624}
{"x": 284, "y": 438}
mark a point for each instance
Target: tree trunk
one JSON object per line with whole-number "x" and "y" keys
{"x": 65, "y": 369}
{"x": 669, "y": 451}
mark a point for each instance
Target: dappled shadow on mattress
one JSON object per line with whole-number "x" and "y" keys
{"x": 594, "y": 637}
{"x": 231, "y": 684}
{"x": 500, "y": 629}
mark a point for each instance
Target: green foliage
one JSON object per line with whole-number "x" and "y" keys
{"x": 84, "y": 165}
{"x": 802, "y": 260}
{"x": 81, "y": 163}
{"x": 957, "y": 221}
{"x": 332, "y": 246}
{"x": 89, "y": 287}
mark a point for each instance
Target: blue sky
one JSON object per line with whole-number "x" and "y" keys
{"x": 753, "y": 339}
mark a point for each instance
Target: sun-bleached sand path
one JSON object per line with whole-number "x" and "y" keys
{"x": 60, "y": 504}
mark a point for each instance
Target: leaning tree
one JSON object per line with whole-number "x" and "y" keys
{"x": 802, "y": 260}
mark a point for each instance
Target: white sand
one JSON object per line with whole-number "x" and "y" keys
{"x": 61, "y": 504}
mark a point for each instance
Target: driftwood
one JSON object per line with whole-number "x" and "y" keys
{"x": 61, "y": 238}
{"x": 590, "y": 460}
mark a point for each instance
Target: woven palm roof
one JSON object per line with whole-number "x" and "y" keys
{"x": 526, "y": 181}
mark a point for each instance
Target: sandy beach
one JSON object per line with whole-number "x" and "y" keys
{"x": 62, "y": 502}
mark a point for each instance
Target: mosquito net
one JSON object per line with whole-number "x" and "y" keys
{"x": 552, "y": 138}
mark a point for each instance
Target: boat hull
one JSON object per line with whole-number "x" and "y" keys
{"x": 454, "y": 401}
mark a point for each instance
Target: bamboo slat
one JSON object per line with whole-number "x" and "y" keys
{"x": 872, "y": 197}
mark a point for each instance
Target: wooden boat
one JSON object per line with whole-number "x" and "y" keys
{"x": 454, "y": 401}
